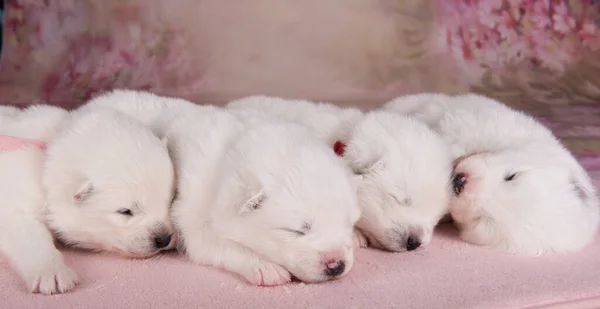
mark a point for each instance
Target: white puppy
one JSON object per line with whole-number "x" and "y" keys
{"x": 104, "y": 183}
{"x": 516, "y": 187}
{"x": 152, "y": 110}
{"x": 329, "y": 122}
{"x": 404, "y": 189}
{"x": 264, "y": 203}
{"x": 404, "y": 167}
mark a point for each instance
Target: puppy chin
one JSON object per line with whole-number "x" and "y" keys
{"x": 462, "y": 208}
{"x": 135, "y": 253}
{"x": 379, "y": 242}
{"x": 312, "y": 277}
{"x": 315, "y": 273}
{"x": 139, "y": 255}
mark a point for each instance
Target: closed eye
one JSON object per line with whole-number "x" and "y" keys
{"x": 403, "y": 202}
{"x": 125, "y": 212}
{"x": 510, "y": 177}
{"x": 296, "y": 232}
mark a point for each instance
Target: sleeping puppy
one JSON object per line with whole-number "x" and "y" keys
{"x": 329, "y": 122}
{"x": 264, "y": 202}
{"x": 152, "y": 110}
{"x": 516, "y": 187}
{"x": 402, "y": 166}
{"x": 403, "y": 169}
{"x": 104, "y": 183}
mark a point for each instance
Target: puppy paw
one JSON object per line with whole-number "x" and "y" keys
{"x": 360, "y": 241}
{"x": 269, "y": 274}
{"x": 53, "y": 280}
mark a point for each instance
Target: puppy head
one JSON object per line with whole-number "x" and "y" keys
{"x": 529, "y": 200}
{"x": 288, "y": 197}
{"x": 403, "y": 173}
{"x": 109, "y": 183}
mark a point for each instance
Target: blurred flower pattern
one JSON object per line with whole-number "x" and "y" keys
{"x": 544, "y": 50}
{"x": 540, "y": 55}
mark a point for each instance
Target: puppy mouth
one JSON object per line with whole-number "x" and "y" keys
{"x": 392, "y": 243}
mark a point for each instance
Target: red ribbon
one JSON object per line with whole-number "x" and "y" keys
{"x": 340, "y": 148}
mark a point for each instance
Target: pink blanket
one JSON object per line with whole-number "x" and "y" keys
{"x": 447, "y": 274}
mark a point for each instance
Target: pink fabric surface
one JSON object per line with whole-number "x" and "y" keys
{"x": 11, "y": 143}
{"x": 446, "y": 274}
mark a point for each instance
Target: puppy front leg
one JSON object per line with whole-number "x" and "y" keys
{"x": 209, "y": 249}
{"x": 29, "y": 246}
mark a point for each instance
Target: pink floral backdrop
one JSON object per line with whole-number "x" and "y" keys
{"x": 542, "y": 50}
{"x": 540, "y": 55}
{"x": 63, "y": 51}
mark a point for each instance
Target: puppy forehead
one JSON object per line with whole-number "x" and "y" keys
{"x": 311, "y": 202}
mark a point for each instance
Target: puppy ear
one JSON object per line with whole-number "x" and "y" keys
{"x": 253, "y": 203}
{"x": 366, "y": 167}
{"x": 581, "y": 192}
{"x": 583, "y": 188}
{"x": 165, "y": 141}
{"x": 83, "y": 192}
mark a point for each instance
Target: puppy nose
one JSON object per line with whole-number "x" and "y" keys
{"x": 412, "y": 244}
{"x": 335, "y": 268}
{"x": 458, "y": 182}
{"x": 162, "y": 241}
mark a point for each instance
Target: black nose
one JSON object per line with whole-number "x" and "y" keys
{"x": 162, "y": 241}
{"x": 337, "y": 269}
{"x": 458, "y": 182}
{"x": 412, "y": 244}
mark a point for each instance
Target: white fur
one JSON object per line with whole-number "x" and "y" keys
{"x": 245, "y": 197}
{"x": 40, "y": 122}
{"x": 398, "y": 159}
{"x": 6, "y": 113}
{"x": 329, "y": 122}
{"x": 549, "y": 205}
{"x": 24, "y": 239}
{"x": 100, "y": 162}
{"x": 151, "y": 109}
{"x": 103, "y": 163}
{"x": 404, "y": 170}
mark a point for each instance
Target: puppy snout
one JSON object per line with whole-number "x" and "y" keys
{"x": 458, "y": 182}
{"x": 412, "y": 243}
{"x": 162, "y": 241}
{"x": 334, "y": 268}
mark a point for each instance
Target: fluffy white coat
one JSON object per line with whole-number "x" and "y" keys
{"x": 151, "y": 109}
{"x": 516, "y": 187}
{"x": 403, "y": 168}
{"x": 265, "y": 203}
{"x": 329, "y": 122}
{"x": 104, "y": 183}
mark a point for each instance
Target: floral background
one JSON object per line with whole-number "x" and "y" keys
{"x": 542, "y": 56}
